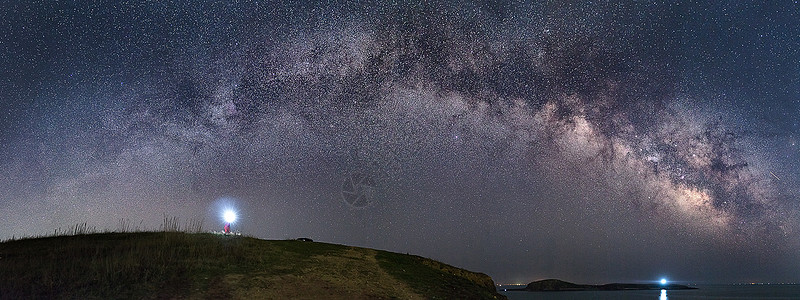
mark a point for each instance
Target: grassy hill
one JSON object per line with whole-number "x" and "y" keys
{"x": 183, "y": 265}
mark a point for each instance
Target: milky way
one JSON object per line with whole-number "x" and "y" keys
{"x": 591, "y": 142}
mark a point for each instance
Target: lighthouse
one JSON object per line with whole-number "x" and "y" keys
{"x": 229, "y": 216}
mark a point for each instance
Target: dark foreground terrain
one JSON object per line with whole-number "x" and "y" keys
{"x": 182, "y": 265}
{"x": 559, "y": 285}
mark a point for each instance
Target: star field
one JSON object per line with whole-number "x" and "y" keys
{"x": 592, "y": 141}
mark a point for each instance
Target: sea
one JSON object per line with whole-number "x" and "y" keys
{"x": 757, "y": 291}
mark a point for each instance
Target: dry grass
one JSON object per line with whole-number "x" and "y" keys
{"x": 181, "y": 265}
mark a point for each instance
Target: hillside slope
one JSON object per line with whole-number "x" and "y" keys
{"x": 182, "y": 265}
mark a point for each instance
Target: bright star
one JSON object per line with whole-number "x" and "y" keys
{"x": 663, "y": 281}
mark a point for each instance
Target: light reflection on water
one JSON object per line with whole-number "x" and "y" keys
{"x": 705, "y": 292}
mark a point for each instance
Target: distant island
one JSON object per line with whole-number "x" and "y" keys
{"x": 553, "y": 285}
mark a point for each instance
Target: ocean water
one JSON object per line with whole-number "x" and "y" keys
{"x": 703, "y": 292}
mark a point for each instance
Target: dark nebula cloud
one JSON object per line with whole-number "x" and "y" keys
{"x": 586, "y": 141}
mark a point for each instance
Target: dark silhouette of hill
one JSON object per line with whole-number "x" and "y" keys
{"x": 201, "y": 265}
{"x": 560, "y": 285}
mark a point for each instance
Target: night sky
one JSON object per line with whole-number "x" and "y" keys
{"x": 590, "y": 141}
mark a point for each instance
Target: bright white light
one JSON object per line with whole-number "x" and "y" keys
{"x": 229, "y": 216}
{"x": 663, "y": 281}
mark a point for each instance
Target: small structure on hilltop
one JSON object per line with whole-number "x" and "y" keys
{"x": 229, "y": 217}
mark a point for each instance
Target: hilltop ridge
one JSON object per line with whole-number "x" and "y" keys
{"x": 201, "y": 265}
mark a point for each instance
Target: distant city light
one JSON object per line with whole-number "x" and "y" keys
{"x": 663, "y": 281}
{"x": 229, "y": 216}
